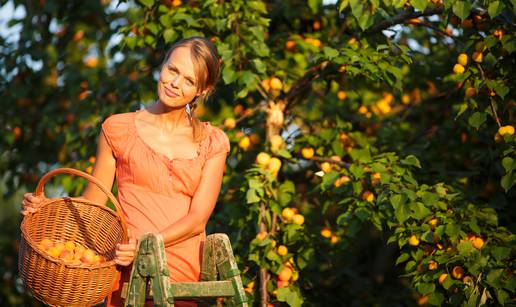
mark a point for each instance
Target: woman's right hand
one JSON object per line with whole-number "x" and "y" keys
{"x": 31, "y": 203}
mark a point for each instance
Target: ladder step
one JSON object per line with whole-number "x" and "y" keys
{"x": 200, "y": 289}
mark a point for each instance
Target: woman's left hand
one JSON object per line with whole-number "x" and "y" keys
{"x": 124, "y": 254}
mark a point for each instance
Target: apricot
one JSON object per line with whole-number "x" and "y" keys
{"x": 341, "y": 95}
{"x": 457, "y": 272}
{"x": 282, "y": 250}
{"x": 263, "y": 159}
{"x": 244, "y": 143}
{"x": 478, "y": 57}
{"x": 285, "y": 274}
{"x": 458, "y": 69}
{"x": 66, "y": 254}
{"x": 478, "y": 243}
{"x": 54, "y": 252}
{"x": 261, "y": 235}
{"x": 509, "y": 130}
{"x": 442, "y": 278}
{"x": 287, "y": 214}
{"x": 45, "y": 244}
{"x": 342, "y": 180}
{"x": 307, "y": 152}
{"x": 290, "y": 45}
{"x": 432, "y": 265}
{"x": 368, "y": 196}
{"x": 326, "y": 232}
{"x": 230, "y": 123}
{"x": 70, "y": 245}
{"x": 298, "y": 219}
{"x": 413, "y": 240}
{"x": 470, "y": 92}
{"x": 326, "y": 167}
{"x": 274, "y": 165}
{"x": 433, "y": 222}
{"x": 462, "y": 59}
{"x": 276, "y": 142}
{"x": 276, "y": 83}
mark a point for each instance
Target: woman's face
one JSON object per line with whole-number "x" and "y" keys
{"x": 177, "y": 84}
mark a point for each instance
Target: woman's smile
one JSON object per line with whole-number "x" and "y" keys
{"x": 170, "y": 93}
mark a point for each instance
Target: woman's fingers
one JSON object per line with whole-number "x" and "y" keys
{"x": 124, "y": 254}
{"x": 31, "y": 203}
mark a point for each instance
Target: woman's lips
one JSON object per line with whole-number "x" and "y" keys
{"x": 170, "y": 93}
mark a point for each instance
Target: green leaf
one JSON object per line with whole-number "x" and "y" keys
{"x": 329, "y": 178}
{"x": 284, "y": 153}
{"x": 419, "y": 211}
{"x": 169, "y": 35}
{"x": 337, "y": 148}
{"x": 500, "y": 253}
{"x": 343, "y": 5}
{"x": 365, "y": 20}
{"x": 228, "y": 74}
{"x": 452, "y": 230}
{"x": 290, "y": 296}
{"x": 462, "y": 9}
{"x": 494, "y": 278}
{"x": 362, "y": 213}
{"x": 402, "y": 258}
{"x": 147, "y": 3}
{"x": 401, "y": 208}
{"x": 255, "y": 184}
{"x": 357, "y": 8}
{"x": 419, "y": 4}
{"x": 430, "y": 199}
{"x": 463, "y": 107}
{"x": 260, "y": 66}
{"x": 361, "y": 155}
{"x": 252, "y": 197}
{"x": 465, "y": 248}
{"x": 508, "y": 180}
{"x": 436, "y": 298}
{"x": 477, "y": 119}
{"x": 411, "y": 160}
{"x": 425, "y": 288}
{"x": 356, "y": 170}
{"x": 330, "y": 52}
{"x": 495, "y": 8}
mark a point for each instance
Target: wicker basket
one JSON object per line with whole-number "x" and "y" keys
{"x": 94, "y": 226}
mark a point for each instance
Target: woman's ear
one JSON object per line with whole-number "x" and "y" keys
{"x": 205, "y": 91}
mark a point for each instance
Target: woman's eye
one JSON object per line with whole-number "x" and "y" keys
{"x": 189, "y": 82}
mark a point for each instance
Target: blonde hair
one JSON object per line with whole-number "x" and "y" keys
{"x": 206, "y": 64}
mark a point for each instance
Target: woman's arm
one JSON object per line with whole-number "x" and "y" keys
{"x": 202, "y": 205}
{"x": 104, "y": 171}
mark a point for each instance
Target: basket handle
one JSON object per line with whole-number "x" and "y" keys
{"x": 65, "y": 170}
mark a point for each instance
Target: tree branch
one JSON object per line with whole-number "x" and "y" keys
{"x": 400, "y": 18}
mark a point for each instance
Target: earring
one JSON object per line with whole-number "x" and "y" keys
{"x": 189, "y": 112}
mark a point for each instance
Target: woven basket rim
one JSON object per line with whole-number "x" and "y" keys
{"x": 27, "y": 219}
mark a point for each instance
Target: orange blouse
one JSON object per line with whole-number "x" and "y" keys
{"x": 155, "y": 191}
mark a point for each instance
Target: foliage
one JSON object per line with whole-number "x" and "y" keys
{"x": 407, "y": 106}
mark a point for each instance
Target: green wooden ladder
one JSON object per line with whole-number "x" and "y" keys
{"x": 220, "y": 276}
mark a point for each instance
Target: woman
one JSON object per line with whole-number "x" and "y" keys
{"x": 168, "y": 165}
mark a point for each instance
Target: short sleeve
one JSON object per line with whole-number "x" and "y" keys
{"x": 219, "y": 143}
{"x": 116, "y": 129}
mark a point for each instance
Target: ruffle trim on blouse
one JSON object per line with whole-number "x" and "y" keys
{"x": 119, "y": 129}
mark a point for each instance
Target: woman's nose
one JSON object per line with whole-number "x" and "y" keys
{"x": 176, "y": 80}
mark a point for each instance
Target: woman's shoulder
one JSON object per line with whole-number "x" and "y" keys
{"x": 120, "y": 118}
{"x": 217, "y": 139}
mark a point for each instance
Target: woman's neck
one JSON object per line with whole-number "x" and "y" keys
{"x": 168, "y": 118}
